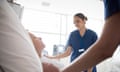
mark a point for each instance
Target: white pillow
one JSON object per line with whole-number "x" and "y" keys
{"x": 56, "y": 63}
{"x": 17, "y": 53}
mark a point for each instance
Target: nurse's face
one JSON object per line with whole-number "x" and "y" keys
{"x": 79, "y": 23}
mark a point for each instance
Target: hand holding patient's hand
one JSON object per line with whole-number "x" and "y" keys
{"x": 47, "y": 67}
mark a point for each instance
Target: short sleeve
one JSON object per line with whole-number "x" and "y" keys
{"x": 69, "y": 42}
{"x": 111, "y": 7}
{"x": 17, "y": 53}
{"x": 95, "y": 37}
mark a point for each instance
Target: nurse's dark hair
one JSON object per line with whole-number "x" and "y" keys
{"x": 82, "y": 16}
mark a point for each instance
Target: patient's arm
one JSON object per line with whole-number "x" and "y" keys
{"x": 47, "y": 67}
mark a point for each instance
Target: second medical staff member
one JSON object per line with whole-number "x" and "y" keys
{"x": 79, "y": 40}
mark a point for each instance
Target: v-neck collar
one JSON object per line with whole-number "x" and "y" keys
{"x": 84, "y": 33}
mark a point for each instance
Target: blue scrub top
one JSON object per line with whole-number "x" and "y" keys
{"x": 111, "y": 7}
{"x": 80, "y": 44}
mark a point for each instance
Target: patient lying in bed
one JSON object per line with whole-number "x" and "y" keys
{"x": 48, "y": 65}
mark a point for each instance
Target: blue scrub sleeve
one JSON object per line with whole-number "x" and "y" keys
{"x": 111, "y": 7}
{"x": 95, "y": 38}
{"x": 69, "y": 42}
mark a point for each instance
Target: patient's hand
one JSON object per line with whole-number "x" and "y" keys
{"x": 90, "y": 70}
{"x": 47, "y": 67}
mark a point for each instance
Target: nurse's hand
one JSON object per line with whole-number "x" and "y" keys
{"x": 47, "y": 67}
{"x": 50, "y": 57}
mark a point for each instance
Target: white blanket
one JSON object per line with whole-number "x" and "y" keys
{"x": 56, "y": 63}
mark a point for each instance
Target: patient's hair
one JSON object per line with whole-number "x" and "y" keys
{"x": 82, "y": 16}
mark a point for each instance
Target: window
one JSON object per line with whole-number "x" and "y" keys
{"x": 54, "y": 28}
{"x": 51, "y": 27}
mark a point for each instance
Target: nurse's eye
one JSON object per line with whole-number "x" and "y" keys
{"x": 77, "y": 21}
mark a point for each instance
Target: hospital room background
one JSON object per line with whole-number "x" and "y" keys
{"x": 52, "y": 20}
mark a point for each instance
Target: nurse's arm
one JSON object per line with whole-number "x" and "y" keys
{"x": 63, "y": 55}
{"x": 102, "y": 49}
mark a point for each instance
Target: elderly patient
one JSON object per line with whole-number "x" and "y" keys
{"x": 39, "y": 46}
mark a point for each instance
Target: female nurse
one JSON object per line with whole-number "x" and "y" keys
{"x": 79, "y": 40}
